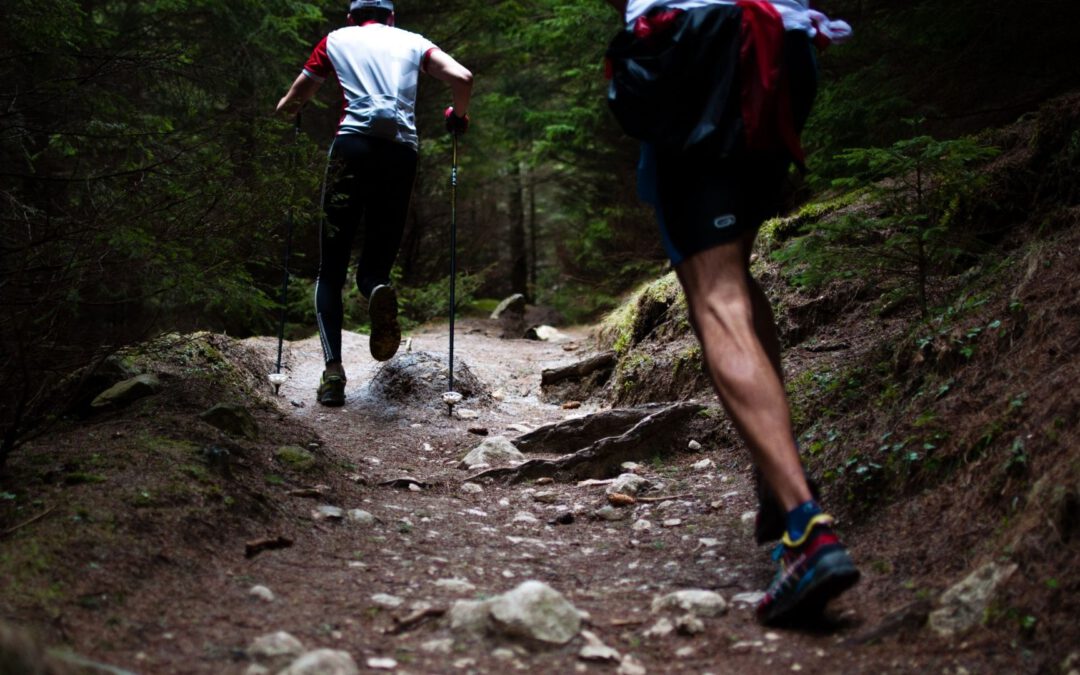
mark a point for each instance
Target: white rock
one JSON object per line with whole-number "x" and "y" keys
{"x": 632, "y": 467}
{"x": 709, "y": 542}
{"x": 470, "y": 617}
{"x": 695, "y": 601}
{"x": 466, "y": 414}
{"x": 503, "y": 654}
{"x": 471, "y": 488}
{"x": 275, "y": 644}
{"x": 361, "y": 517}
{"x": 387, "y": 601}
{"x": 327, "y": 512}
{"x": 631, "y": 666}
{"x": 688, "y": 624}
{"x": 257, "y": 669}
{"x": 672, "y": 522}
{"x": 703, "y": 465}
{"x": 685, "y": 652}
{"x": 455, "y": 585}
{"x": 323, "y": 662}
{"x": 641, "y": 525}
{"x": 494, "y": 451}
{"x": 262, "y": 593}
{"x": 693, "y": 446}
{"x": 661, "y": 629}
{"x": 538, "y": 612}
{"x": 748, "y": 519}
{"x": 627, "y": 484}
{"x": 611, "y": 513}
{"x": 546, "y": 497}
{"x": 750, "y": 598}
{"x": 381, "y": 664}
{"x": 595, "y": 649}
{"x": 525, "y": 518}
{"x": 443, "y": 646}
{"x": 963, "y": 605}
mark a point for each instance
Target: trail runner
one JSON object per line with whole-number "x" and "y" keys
{"x": 372, "y": 166}
{"x": 718, "y": 91}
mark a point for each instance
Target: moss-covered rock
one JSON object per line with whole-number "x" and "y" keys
{"x": 294, "y": 457}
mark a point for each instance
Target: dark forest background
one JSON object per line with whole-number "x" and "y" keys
{"x": 145, "y": 183}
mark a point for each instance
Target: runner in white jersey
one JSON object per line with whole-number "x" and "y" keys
{"x": 372, "y": 166}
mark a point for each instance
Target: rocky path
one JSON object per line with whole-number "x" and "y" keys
{"x": 408, "y": 579}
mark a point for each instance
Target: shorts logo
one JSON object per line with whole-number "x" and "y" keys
{"x": 724, "y": 222}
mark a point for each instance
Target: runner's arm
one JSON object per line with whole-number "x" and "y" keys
{"x": 442, "y": 66}
{"x": 302, "y": 89}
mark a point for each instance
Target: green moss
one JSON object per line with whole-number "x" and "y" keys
{"x": 295, "y": 458}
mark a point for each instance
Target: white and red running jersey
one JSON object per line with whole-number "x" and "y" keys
{"x": 378, "y": 67}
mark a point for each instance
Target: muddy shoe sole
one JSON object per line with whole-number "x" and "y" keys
{"x": 385, "y": 331}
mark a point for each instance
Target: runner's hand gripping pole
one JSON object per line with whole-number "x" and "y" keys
{"x": 278, "y": 378}
{"x": 451, "y": 397}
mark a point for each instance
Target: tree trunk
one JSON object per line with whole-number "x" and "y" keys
{"x": 519, "y": 268}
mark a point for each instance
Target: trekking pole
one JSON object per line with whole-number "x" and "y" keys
{"x": 451, "y": 397}
{"x": 277, "y": 378}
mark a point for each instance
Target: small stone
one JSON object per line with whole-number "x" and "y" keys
{"x": 323, "y": 662}
{"x": 709, "y": 542}
{"x": 748, "y": 519}
{"x": 632, "y": 467}
{"x": 262, "y": 593}
{"x": 443, "y": 646}
{"x": 688, "y": 624}
{"x": 750, "y": 598}
{"x": 571, "y": 405}
{"x": 641, "y": 525}
{"x": 545, "y": 480}
{"x": 361, "y": 517}
{"x": 672, "y": 522}
{"x": 494, "y": 451}
{"x": 694, "y": 446}
{"x": 327, "y": 512}
{"x": 275, "y": 644}
{"x": 685, "y": 652}
{"x": 661, "y": 629}
{"x": 525, "y": 518}
{"x": 631, "y": 666}
{"x": 520, "y": 428}
{"x": 456, "y": 585}
{"x": 537, "y": 612}
{"x": 546, "y": 497}
{"x": 465, "y": 414}
{"x": 381, "y": 664}
{"x": 471, "y": 488}
{"x": 695, "y": 601}
{"x": 772, "y": 637}
{"x": 498, "y": 395}
{"x": 704, "y": 465}
{"x": 627, "y": 484}
{"x": 387, "y": 601}
{"x": 610, "y": 513}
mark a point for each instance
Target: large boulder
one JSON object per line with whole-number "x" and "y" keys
{"x": 536, "y": 612}
{"x": 127, "y": 391}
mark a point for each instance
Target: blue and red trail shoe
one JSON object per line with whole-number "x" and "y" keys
{"x": 813, "y": 570}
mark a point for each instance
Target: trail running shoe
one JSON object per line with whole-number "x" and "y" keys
{"x": 771, "y": 520}
{"x": 331, "y": 390}
{"x": 385, "y": 331}
{"x": 813, "y": 570}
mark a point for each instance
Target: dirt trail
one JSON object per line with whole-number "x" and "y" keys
{"x": 158, "y": 591}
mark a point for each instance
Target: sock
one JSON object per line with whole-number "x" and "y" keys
{"x": 799, "y": 517}
{"x": 335, "y": 368}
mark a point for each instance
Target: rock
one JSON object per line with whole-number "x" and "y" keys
{"x": 323, "y": 662}
{"x": 327, "y": 512}
{"x": 688, "y": 624}
{"x": 627, "y": 484}
{"x": 257, "y": 669}
{"x": 631, "y": 666}
{"x": 294, "y": 457}
{"x": 470, "y": 617}
{"x": 571, "y": 405}
{"x": 381, "y": 664}
{"x": 695, "y": 601}
{"x": 546, "y": 334}
{"x": 661, "y": 629}
{"x": 536, "y": 611}
{"x": 751, "y": 598}
{"x": 748, "y": 519}
{"x": 641, "y": 525}
{"x": 693, "y": 446}
{"x": 595, "y": 650}
{"x": 546, "y": 497}
{"x": 632, "y": 467}
{"x": 456, "y": 585}
{"x": 611, "y": 513}
{"x": 471, "y": 488}
{"x": 275, "y": 644}
{"x": 361, "y": 517}
{"x": 233, "y": 419}
{"x": 441, "y": 646}
{"x": 672, "y": 522}
{"x": 387, "y": 601}
{"x": 703, "y": 465}
{"x": 515, "y": 304}
{"x": 525, "y": 518}
{"x": 963, "y": 605}
{"x": 262, "y": 593}
{"x": 545, "y": 480}
{"x": 127, "y": 391}
{"x": 494, "y": 451}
